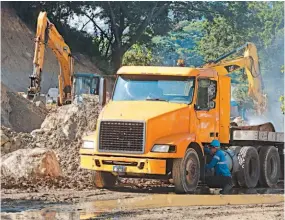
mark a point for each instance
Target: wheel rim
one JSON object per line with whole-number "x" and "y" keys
{"x": 191, "y": 170}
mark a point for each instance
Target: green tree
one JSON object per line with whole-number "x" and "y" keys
{"x": 128, "y": 23}
{"x": 78, "y": 41}
{"x": 138, "y": 55}
{"x": 125, "y": 23}
{"x": 179, "y": 43}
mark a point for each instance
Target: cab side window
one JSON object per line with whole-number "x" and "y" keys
{"x": 207, "y": 90}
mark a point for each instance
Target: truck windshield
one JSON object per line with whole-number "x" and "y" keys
{"x": 168, "y": 89}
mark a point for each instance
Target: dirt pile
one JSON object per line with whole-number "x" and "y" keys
{"x": 13, "y": 140}
{"x": 19, "y": 113}
{"x": 61, "y": 131}
{"x": 5, "y": 107}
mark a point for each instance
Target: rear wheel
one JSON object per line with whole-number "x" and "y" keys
{"x": 236, "y": 150}
{"x": 269, "y": 166}
{"x": 103, "y": 179}
{"x": 186, "y": 172}
{"x": 249, "y": 169}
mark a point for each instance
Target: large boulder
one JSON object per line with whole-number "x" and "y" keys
{"x": 30, "y": 163}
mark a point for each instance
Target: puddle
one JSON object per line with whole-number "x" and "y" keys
{"x": 159, "y": 201}
{"x": 108, "y": 208}
{"x": 24, "y": 205}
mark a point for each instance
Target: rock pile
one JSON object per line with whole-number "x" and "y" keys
{"x": 61, "y": 132}
{"x": 11, "y": 140}
{"x": 19, "y": 113}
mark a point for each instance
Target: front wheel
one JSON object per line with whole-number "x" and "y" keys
{"x": 186, "y": 172}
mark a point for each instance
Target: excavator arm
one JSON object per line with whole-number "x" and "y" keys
{"x": 249, "y": 62}
{"x": 48, "y": 35}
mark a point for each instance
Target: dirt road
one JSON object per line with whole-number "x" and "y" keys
{"x": 150, "y": 203}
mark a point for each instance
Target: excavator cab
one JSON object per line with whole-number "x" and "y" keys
{"x": 89, "y": 83}
{"x": 86, "y": 83}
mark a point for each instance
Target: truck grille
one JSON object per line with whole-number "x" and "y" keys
{"x": 121, "y": 136}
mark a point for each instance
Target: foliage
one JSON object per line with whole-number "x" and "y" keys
{"x": 78, "y": 41}
{"x": 128, "y": 23}
{"x": 178, "y": 44}
{"x": 138, "y": 55}
{"x": 259, "y": 22}
{"x": 124, "y": 23}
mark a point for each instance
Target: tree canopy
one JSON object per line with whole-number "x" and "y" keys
{"x": 122, "y": 25}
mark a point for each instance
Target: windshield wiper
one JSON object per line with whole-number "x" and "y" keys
{"x": 156, "y": 99}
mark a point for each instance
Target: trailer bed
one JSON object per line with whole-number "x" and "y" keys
{"x": 260, "y": 136}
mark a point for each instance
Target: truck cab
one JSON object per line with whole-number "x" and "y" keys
{"x": 157, "y": 121}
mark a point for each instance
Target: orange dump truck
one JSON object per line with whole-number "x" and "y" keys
{"x": 160, "y": 118}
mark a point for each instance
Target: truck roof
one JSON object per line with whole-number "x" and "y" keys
{"x": 167, "y": 71}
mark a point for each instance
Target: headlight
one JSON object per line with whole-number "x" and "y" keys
{"x": 88, "y": 144}
{"x": 163, "y": 148}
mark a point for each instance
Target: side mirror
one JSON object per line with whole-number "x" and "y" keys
{"x": 102, "y": 92}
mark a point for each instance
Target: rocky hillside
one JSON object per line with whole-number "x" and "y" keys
{"x": 17, "y": 50}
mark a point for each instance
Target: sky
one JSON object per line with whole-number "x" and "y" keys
{"x": 78, "y": 22}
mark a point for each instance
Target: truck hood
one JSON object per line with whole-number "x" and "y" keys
{"x": 138, "y": 110}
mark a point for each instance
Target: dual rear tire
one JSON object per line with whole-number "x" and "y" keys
{"x": 257, "y": 167}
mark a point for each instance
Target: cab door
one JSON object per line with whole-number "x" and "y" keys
{"x": 207, "y": 115}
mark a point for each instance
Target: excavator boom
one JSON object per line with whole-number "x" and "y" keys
{"x": 48, "y": 35}
{"x": 249, "y": 62}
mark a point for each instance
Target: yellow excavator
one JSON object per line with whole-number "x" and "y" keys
{"x": 249, "y": 62}
{"x": 70, "y": 84}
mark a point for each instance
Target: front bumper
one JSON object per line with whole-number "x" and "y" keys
{"x": 133, "y": 165}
